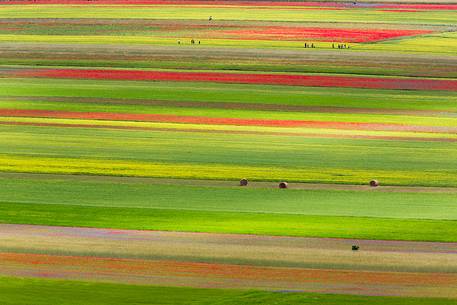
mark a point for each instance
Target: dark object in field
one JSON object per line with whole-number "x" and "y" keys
{"x": 283, "y": 185}
{"x": 243, "y": 182}
{"x": 210, "y": 18}
{"x": 374, "y": 183}
{"x": 192, "y": 41}
{"x": 355, "y": 248}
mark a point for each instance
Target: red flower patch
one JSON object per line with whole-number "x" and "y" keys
{"x": 319, "y": 34}
{"x": 245, "y": 78}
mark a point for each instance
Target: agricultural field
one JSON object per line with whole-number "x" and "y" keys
{"x": 126, "y": 127}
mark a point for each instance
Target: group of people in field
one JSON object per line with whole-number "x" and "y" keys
{"x": 192, "y": 41}
{"x": 307, "y": 45}
{"x": 339, "y": 46}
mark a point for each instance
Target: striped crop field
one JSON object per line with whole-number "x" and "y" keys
{"x": 228, "y": 152}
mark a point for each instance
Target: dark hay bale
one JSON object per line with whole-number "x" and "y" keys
{"x": 283, "y": 185}
{"x": 374, "y": 183}
{"x": 244, "y": 182}
{"x": 355, "y": 248}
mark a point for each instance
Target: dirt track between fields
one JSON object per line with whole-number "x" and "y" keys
{"x": 230, "y": 261}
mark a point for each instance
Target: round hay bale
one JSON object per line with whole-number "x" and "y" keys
{"x": 244, "y": 182}
{"x": 283, "y": 185}
{"x": 374, "y": 183}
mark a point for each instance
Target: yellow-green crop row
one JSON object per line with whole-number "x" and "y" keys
{"x": 38, "y": 164}
{"x": 441, "y": 43}
{"x": 195, "y": 12}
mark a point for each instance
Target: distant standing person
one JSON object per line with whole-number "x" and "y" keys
{"x": 210, "y": 18}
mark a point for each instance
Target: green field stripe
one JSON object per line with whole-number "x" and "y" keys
{"x": 208, "y": 112}
{"x": 39, "y": 291}
{"x": 229, "y": 222}
{"x": 232, "y": 93}
{"x": 227, "y": 196}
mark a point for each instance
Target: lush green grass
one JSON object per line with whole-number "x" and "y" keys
{"x": 229, "y": 222}
{"x": 22, "y": 291}
{"x": 209, "y": 92}
{"x": 224, "y": 197}
{"x": 137, "y": 204}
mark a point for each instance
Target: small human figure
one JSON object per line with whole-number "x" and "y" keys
{"x": 306, "y": 45}
{"x": 199, "y": 42}
{"x": 312, "y": 45}
{"x": 179, "y": 41}
{"x": 333, "y": 45}
{"x": 192, "y": 41}
{"x": 210, "y": 18}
